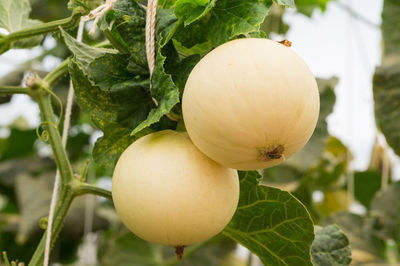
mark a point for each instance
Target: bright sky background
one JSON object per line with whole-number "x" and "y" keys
{"x": 332, "y": 44}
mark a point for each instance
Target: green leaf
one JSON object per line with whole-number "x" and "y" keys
{"x": 307, "y": 7}
{"x": 126, "y": 23}
{"x": 14, "y": 16}
{"x": 330, "y": 247}
{"x": 358, "y": 232}
{"x": 115, "y": 113}
{"x": 88, "y": 5}
{"x": 287, "y": 3}
{"x": 105, "y": 68}
{"x": 366, "y": 185}
{"x": 386, "y": 82}
{"x": 20, "y": 143}
{"x": 390, "y": 28}
{"x": 274, "y": 21}
{"x": 311, "y": 153}
{"x": 271, "y": 223}
{"x": 386, "y": 207}
{"x": 387, "y": 101}
{"x": 225, "y": 21}
{"x": 163, "y": 88}
{"x": 192, "y": 10}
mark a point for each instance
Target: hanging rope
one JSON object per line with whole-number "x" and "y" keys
{"x": 57, "y": 181}
{"x": 150, "y": 33}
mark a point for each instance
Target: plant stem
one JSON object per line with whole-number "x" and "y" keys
{"x": 6, "y": 261}
{"x": 14, "y": 90}
{"x": 63, "y": 204}
{"x": 85, "y": 188}
{"x": 187, "y": 252}
{"x": 52, "y": 26}
{"x": 60, "y": 155}
{"x": 60, "y": 71}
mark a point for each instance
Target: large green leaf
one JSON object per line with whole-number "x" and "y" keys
{"x": 225, "y": 21}
{"x": 387, "y": 102}
{"x": 330, "y": 247}
{"x": 271, "y": 223}
{"x": 387, "y": 77}
{"x": 115, "y": 113}
{"x": 14, "y": 16}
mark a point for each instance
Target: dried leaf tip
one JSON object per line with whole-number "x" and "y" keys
{"x": 286, "y": 43}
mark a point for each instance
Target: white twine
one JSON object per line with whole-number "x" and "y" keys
{"x": 98, "y": 13}
{"x": 150, "y": 33}
{"x": 57, "y": 181}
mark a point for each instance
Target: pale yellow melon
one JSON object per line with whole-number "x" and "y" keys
{"x": 250, "y": 104}
{"x": 166, "y": 191}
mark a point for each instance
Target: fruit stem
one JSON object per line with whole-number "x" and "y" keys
{"x": 273, "y": 152}
{"x": 179, "y": 252}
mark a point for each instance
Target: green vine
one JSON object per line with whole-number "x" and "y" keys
{"x": 66, "y": 23}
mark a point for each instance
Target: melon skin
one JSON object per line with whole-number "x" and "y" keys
{"x": 167, "y": 192}
{"x": 250, "y": 104}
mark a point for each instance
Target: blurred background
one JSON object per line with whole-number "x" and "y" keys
{"x": 338, "y": 175}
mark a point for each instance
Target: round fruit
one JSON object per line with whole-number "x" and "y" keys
{"x": 250, "y": 104}
{"x": 166, "y": 191}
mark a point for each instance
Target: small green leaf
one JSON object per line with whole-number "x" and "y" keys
{"x": 271, "y": 223}
{"x": 287, "y": 3}
{"x": 192, "y": 10}
{"x": 225, "y": 21}
{"x": 14, "y": 16}
{"x": 390, "y": 28}
{"x": 358, "y": 230}
{"x": 366, "y": 185}
{"x": 307, "y": 7}
{"x": 330, "y": 247}
{"x": 83, "y": 53}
